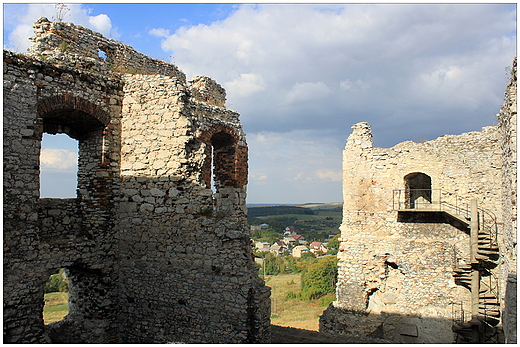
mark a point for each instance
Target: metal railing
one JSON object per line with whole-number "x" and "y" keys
{"x": 430, "y": 200}
{"x": 457, "y": 313}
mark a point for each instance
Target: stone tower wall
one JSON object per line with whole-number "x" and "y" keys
{"x": 396, "y": 267}
{"x": 154, "y": 251}
{"x": 395, "y": 276}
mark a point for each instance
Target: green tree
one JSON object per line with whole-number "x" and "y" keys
{"x": 57, "y": 283}
{"x": 333, "y": 245}
{"x": 272, "y": 265}
{"x": 319, "y": 278}
{"x": 265, "y": 235}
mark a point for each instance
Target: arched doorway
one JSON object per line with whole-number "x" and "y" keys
{"x": 418, "y": 190}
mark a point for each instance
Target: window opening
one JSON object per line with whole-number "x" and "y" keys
{"x": 418, "y": 190}
{"x": 102, "y": 55}
{"x": 56, "y": 294}
{"x": 58, "y": 166}
{"x": 223, "y": 161}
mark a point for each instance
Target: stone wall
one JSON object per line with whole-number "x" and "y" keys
{"x": 396, "y": 266}
{"x": 507, "y": 124}
{"x": 155, "y": 249}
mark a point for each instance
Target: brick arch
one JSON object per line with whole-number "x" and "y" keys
{"x": 230, "y": 158}
{"x": 69, "y": 102}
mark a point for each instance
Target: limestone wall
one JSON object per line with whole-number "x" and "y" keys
{"x": 508, "y": 129}
{"x": 396, "y": 268}
{"x": 398, "y": 255}
{"x": 155, "y": 249}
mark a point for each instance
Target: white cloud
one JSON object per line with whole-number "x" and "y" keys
{"x": 399, "y": 67}
{"x": 294, "y": 166}
{"x": 55, "y": 159}
{"x": 159, "y": 32}
{"x": 246, "y": 84}
{"x": 100, "y": 23}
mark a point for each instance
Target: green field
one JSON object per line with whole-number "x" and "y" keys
{"x": 292, "y": 312}
{"x": 56, "y": 307}
{"x": 315, "y": 223}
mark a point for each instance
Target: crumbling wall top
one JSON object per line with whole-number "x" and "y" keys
{"x": 72, "y": 45}
{"x": 361, "y": 137}
{"x": 207, "y": 90}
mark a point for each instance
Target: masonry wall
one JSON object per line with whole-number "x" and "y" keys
{"x": 154, "y": 251}
{"x": 396, "y": 267}
{"x": 395, "y": 277}
{"x": 507, "y": 124}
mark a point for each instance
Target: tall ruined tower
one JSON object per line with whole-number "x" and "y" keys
{"x": 156, "y": 244}
{"x": 426, "y": 237}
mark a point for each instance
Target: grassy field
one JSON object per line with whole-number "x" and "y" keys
{"x": 292, "y": 312}
{"x": 56, "y": 307}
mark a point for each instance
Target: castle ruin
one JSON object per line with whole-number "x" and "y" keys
{"x": 428, "y": 239}
{"x": 156, "y": 244}
{"x": 155, "y": 251}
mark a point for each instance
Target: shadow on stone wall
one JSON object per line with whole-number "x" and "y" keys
{"x": 398, "y": 328}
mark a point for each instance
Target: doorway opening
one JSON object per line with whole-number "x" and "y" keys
{"x": 418, "y": 190}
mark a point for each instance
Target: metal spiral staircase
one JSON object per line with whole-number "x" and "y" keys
{"x": 475, "y": 273}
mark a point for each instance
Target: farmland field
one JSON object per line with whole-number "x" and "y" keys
{"x": 292, "y": 312}
{"x": 56, "y": 307}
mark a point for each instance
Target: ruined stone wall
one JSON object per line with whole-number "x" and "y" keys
{"x": 66, "y": 44}
{"x": 507, "y": 124}
{"x": 37, "y": 97}
{"x": 154, "y": 251}
{"x": 396, "y": 266}
{"x": 395, "y": 276}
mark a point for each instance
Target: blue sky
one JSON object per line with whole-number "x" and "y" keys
{"x": 301, "y": 75}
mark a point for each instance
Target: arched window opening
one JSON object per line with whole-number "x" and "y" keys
{"x": 56, "y": 294}
{"x": 418, "y": 190}
{"x": 58, "y": 166}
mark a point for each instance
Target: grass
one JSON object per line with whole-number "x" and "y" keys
{"x": 292, "y": 312}
{"x": 56, "y": 307}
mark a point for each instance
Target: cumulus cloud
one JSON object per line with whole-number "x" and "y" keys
{"x": 299, "y": 72}
{"x": 245, "y": 84}
{"x": 100, "y": 23}
{"x": 336, "y": 64}
{"x": 56, "y": 159}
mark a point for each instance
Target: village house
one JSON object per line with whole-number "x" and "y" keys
{"x": 290, "y": 230}
{"x": 278, "y": 248}
{"x": 262, "y": 246}
{"x": 298, "y": 251}
{"x": 317, "y": 248}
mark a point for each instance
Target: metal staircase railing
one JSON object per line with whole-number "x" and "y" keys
{"x": 487, "y": 254}
{"x": 430, "y": 200}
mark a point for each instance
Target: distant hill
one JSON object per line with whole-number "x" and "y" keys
{"x": 323, "y": 205}
{"x": 277, "y": 210}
